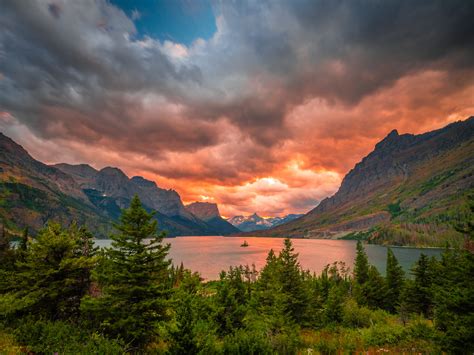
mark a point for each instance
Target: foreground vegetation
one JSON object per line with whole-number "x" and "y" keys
{"x": 59, "y": 294}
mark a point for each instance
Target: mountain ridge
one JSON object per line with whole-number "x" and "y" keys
{"x": 33, "y": 193}
{"x": 411, "y": 189}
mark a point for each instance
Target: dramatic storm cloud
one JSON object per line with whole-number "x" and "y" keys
{"x": 259, "y": 106}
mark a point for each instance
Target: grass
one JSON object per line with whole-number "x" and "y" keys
{"x": 8, "y": 344}
{"x": 391, "y": 336}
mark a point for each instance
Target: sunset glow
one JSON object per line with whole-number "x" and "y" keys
{"x": 260, "y": 109}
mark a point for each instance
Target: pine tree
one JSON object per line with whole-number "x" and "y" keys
{"x": 268, "y": 284}
{"x": 418, "y": 293}
{"x": 292, "y": 285}
{"x": 186, "y": 306}
{"x": 269, "y": 299}
{"x": 361, "y": 265}
{"x": 134, "y": 279}
{"x": 394, "y": 282}
{"x": 52, "y": 278}
{"x": 373, "y": 289}
{"x": 454, "y": 301}
{"x": 231, "y": 300}
{"x": 333, "y": 307}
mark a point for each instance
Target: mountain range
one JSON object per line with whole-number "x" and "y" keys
{"x": 31, "y": 193}
{"x": 255, "y": 223}
{"x": 410, "y": 190}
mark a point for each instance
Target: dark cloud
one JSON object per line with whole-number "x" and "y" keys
{"x": 54, "y": 10}
{"x": 225, "y": 110}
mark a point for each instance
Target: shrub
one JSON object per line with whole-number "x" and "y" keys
{"x": 356, "y": 316}
{"x": 245, "y": 342}
{"x": 60, "y": 337}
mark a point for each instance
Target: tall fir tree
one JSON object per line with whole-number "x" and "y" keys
{"x": 361, "y": 265}
{"x": 394, "y": 282}
{"x": 292, "y": 285}
{"x": 373, "y": 290}
{"x": 231, "y": 301}
{"x": 133, "y": 280}
{"x": 417, "y": 296}
{"x": 269, "y": 299}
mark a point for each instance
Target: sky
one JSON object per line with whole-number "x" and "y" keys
{"x": 259, "y": 106}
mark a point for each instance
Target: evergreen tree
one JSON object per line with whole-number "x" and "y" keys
{"x": 133, "y": 280}
{"x": 7, "y": 261}
{"x": 333, "y": 308}
{"x": 454, "y": 301}
{"x": 394, "y": 282}
{"x": 269, "y": 282}
{"x": 231, "y": 301}
{"x": 292, "y": 285}
{"x": 53, "y": 277}
{"x": 187, "y": 308}
{"x": 418, "y": 293}
{"x": 7, "y": 255}
{"x": 269, "y": 300}
{"x": 361, "y": 265}
{"x": 373, "y": 289}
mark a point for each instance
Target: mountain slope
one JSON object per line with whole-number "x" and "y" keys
{"x": 412, "y": 189}
{"x": 110, "y": 190}
{"x": 209, "y": 213}
{"x": 31, "y": 193}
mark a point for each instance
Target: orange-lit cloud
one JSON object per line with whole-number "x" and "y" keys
{"x": 266, "y": 116}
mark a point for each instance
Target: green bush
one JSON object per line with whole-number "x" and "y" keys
{"x": 383, "y": 334}
{"x": 355, "y": 316}
{"x": 245, "y": 342}
{"x": 60, "y": 337}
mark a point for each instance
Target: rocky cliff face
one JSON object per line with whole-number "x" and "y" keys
{"x": 209, "y": 212}
{"x": 407, "y": 185}
{"x": 394, "y": 160}
{"x": 113, "y": 183}
{"x": 204, "y": 210}
{"x": 110, "y": 190}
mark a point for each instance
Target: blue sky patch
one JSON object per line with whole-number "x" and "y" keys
{"x": 181, "y": 21}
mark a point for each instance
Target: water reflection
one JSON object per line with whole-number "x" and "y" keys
{"x": 211, "y": 255}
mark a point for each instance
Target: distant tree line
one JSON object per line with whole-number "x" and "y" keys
{"x": 59, "y": 293}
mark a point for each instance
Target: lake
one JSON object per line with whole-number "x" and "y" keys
{"x": 210, "y": 255}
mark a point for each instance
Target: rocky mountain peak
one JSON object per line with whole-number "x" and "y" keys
{"x": 111, "y": 171}
{"x": 81, "y": 171}
{"x": 204, "y": 210}
{"x": 142, "y": 182}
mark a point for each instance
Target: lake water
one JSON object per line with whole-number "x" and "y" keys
{"x": 210, "y": 255}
